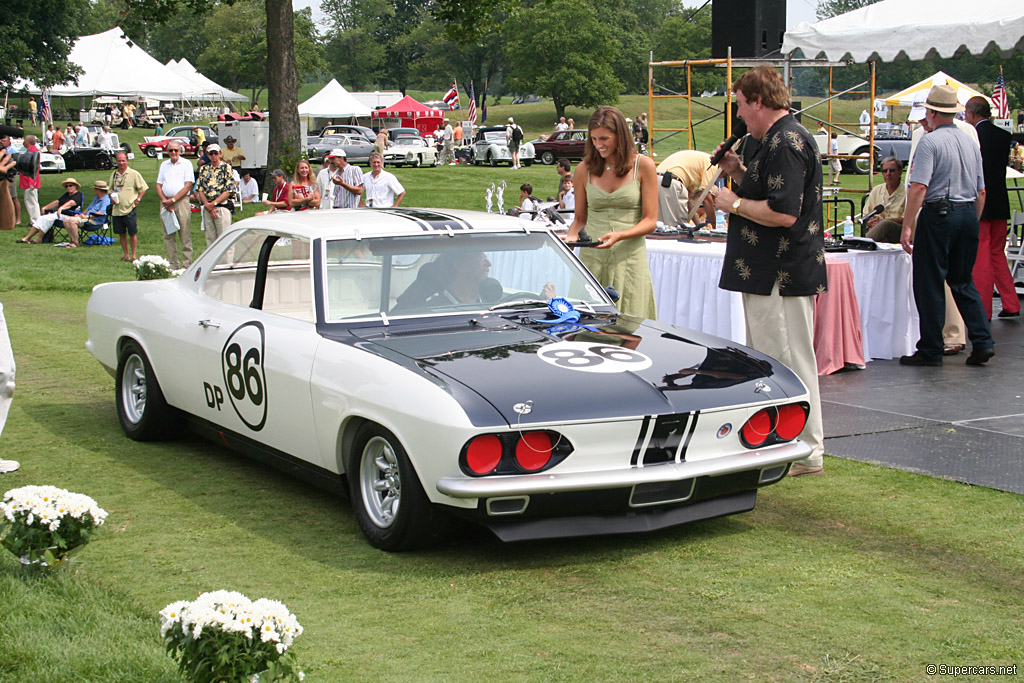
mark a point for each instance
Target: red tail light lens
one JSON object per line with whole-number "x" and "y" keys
{"x": 757, "y": 429}
{"x": 483, "y": 454}
{"x": 533, "y": 451}
{"x": 792, "y": 419}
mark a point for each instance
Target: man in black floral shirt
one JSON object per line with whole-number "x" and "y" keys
{"x": 213, "y": 190}
{"x": 775, "y": 252}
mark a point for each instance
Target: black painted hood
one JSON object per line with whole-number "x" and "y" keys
{"x": 656, "y": 369}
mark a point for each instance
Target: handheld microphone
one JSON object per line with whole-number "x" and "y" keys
{"x": 739, "y": 129}
{"x": 874, "y": 212}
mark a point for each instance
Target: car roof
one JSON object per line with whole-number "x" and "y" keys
{"x": 359, "y": 223}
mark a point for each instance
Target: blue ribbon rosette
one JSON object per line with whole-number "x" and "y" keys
{"x": 566, "y": 317}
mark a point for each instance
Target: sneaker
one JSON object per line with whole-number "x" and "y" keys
{"x": 918, "y": 359}
{"x": 798, "y": 470}
{"x": 9, "y": 466}
{"x": 1008, "y": 314}
{"x": 980, "y": 356}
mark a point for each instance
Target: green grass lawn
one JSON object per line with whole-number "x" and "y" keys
{"x": 865, "y": 574}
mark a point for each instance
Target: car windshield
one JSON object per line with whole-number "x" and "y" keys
{"x": 409, "y": 141}
{"x": 495, "y": 136}
{"x": 442, "y": 275}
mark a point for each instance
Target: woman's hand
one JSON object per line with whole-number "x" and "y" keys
{"x": 606, "y": 241}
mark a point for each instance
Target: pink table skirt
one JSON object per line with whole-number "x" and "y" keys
{"x": 837, "y": 325}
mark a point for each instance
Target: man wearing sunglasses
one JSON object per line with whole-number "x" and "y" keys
{"x": 173, "y": 185}
{"x": 213, "y": 191}
{"x": 887, "y": 226}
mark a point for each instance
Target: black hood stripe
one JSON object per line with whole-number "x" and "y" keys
{"x": 431, "y": 221}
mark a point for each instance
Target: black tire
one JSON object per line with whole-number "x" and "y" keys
{"x": 102, "y": 162}
{"x": 527, "y": 162}
{"x": 548, "y": 157}
{"x": 860, "y": 166}
{"x": 491, "y": 160}
{"x": 151, "y": 152}
{"x": 141, "y": 408}
{"x": 126, "y": 148}
{"x": 390, "y": 505}
{"x": 416, "y": 162}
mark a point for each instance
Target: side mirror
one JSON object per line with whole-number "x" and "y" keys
{"x": 613, "y": 293}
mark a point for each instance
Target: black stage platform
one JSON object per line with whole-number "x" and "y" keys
{"x": 958, "y": 422}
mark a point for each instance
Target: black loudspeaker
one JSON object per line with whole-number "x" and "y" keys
{"x": 753, "y": 28}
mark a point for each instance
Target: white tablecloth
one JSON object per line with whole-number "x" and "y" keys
{"x": 686, "y": 290}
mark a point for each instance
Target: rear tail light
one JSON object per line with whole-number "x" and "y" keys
{"x": 776, "y": 424}
{"x": 483, "y": 454}
{"x": 533, "y": 451}
{"x": 791, "y": 421}
{"x": 513, "y": 453}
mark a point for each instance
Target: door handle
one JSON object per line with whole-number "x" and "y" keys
{"x": 208, "y": 323}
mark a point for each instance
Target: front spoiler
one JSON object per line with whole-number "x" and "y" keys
{"x": 530, "y": 484}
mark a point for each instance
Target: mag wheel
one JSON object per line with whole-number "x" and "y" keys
{"x": 141, "y": 408}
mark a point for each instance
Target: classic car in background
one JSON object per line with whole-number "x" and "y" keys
{"x": 357, "y": 148}
{"x": 441, "y": 364}
{"x": 341, "y": 129}
{"x": 562, "y": 144}
{"x": 410, "y": 150}
{"x": 89, "y": 158}
{"x": 152, "y": 145}
{"x": 490, "y": 147}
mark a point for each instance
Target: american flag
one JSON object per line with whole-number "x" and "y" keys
{"x": 44, "y": 107}
{"x": 472, "y": 104}
{"x": 999, "y": 98}
{"x": 452, "y": 96}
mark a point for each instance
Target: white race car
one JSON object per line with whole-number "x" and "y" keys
{"x": 446, "y": 363}
{"x": 490, "y": 146}
{"x": 412, "y": 150}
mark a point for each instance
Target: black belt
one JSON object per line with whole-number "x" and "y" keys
{"x": 940, "y": 202}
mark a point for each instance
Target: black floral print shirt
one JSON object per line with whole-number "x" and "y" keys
{"x": 785, "y": 169}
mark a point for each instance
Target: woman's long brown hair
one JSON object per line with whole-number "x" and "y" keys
{"x": 612, "y": 119}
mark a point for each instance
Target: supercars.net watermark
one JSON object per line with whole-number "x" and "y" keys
{"x": 980, "y": 670}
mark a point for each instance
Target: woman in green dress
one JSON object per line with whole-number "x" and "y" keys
{"x": 617, "y": 202}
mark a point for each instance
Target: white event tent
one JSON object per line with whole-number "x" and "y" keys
{"x": 114, "y": 65}
{"x": 216, "y": 91}
{"x": 333, "y": 101}
{"x": 897, "y": 29}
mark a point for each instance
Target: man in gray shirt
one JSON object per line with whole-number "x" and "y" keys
{"x": 944, "y": 202}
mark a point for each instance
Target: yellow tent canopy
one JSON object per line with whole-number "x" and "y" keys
{"x": 916, "y": 94}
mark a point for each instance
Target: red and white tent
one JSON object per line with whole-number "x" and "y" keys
{"x": 408, "y": 113}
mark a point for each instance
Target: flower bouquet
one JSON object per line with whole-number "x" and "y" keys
{"x": 223, "y": 636}
{"x": 42, "y": 525}
{"x": 154, "y": 268}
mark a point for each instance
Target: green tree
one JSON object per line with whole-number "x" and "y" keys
{"x": 833, "y": 8}
{"x": 37, "y": 38}
{"x": 687, "y": 37}
{"x": 354, "y": 54}
{"x": 568, "y": 61}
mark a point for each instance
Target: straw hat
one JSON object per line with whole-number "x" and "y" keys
{"x": 71, "y": 181}
{"x": 942, "y": 98}
{"x": 101, "y": 185}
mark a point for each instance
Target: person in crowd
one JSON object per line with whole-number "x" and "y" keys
{"x": 48, "y": 135}
{"x": 381, "y": 143}
{"x": 232, "y": 154}
{"x": 33, "y": 109}
{"x": 1017, "y": 156}
{"x": 567, "y": 198}
{"x": 30, "y": 186}
{"x": 945, "y": 199}
{"x": 381, "y": 188}
{"x": 564, "y": 170}
{"x": 526, "y": 200}
{"x": 448, "y": 142}
{"x": 466, "y": 279}
{"x": 69, "y": 136}
{"x": 304, "y": 192}
{"x": 340, "y": 185}
{"x": 203, "y": 157}
{"x": 198, "y": 136}
{"x": 159, "y": 130}
{"x": 7, "y": 366}
{"x": 865, "y": 121}
{"x": 213, "y": 192}
{"x": 835, "y": 165}
{"x": 892, "y": 194}
{"x": 775, "y": 248}
{"x": 248, "y": 190}
{"x": 56, "y": 141}
{"x": 174, "y": 185}
{"x": 572, "y": 124}
{"x": 990, "y": 268}
{"x": 105, "y": 140}
{"x": 108, "y": 115}
{"x": 513, "y": 137}
{"x": 457, "y": 137}
{"x": 67, "y": 204}
{"x": 127, "y": 188}
{"x": 821, "y": 128}
{"x": 617, "y": 204}
{"x": 81, "y": 136}
{"x": 694, "y": 171}
{"x": 7, "y": 147}
{"x": 561, "y": 125}
{"x": 279, "y": 193}
{"x": 94, "y": 215}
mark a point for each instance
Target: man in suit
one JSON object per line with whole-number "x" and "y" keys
{"x": 990, "y": 266}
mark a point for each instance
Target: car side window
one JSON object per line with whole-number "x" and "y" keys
{"x": 288, "y": 289}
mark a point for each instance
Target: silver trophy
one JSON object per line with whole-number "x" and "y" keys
{"x": 501, "y": 196}
{"x": 489, "y": 196}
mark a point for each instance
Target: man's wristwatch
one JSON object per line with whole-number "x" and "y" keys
{"x": 736, "y": 205}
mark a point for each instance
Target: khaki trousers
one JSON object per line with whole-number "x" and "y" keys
{"x": 183, "y": 210}
{"x": 783, "y": 328}
{"x": 216, "y": 223}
